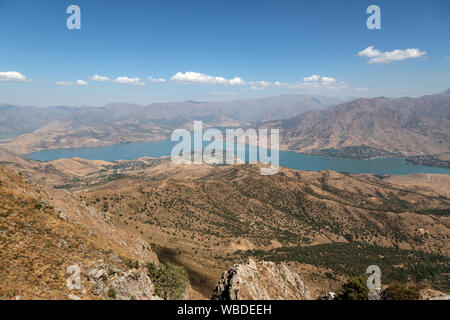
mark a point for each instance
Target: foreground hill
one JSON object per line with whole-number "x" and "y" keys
{"x": 201, "y": 217}
{"x": 366, "y": 128}
{"x": 325, "y": 226}
{"x": 45, "y": 231}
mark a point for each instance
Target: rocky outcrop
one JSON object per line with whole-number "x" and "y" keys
{"x": 330, "y": 295}
{"x": 106, "y": 281}
{"x": 260, "y": 280}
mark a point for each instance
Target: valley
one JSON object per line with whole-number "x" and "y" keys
{"x": 133, "y": 219}
{"x": 224, "y": 151}
{"x": 206, "y": 218}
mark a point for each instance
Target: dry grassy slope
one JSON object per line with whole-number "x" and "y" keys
{"x": 53, "y": 173}
{"x": 196, "y": 215}
{"x": 200, "y": 216}
{"x": 43, "y": 231}
{"x": 292, "y": 207}
{"x": 431, "y": 184}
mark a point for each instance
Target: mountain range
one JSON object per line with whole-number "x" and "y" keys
{"x": 365, "y": 128}
{"x": 357, "y": 129}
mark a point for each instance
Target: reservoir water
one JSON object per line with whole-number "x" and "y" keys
{"x": 289, "y": 159}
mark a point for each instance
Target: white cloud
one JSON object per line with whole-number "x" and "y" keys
{"x": 261, "y": 85}
{"x": 160, "y": 80}
{"x": 98, "y": 78}
{"x": 448, "y": 58}
{"x": 314, "y": 77}
{"x": 376, "y": 56}
{"x": 236, "y": 81}
{"x": 369, "y": 52}
{"x": 314, "y": 82}
{"x": 13, "y": 76}
{"x": 328, "y": 81}
{"x": 195, "y": 77}
{"x": 311, "y": 82}
{"x": 78, "y": 83}
{"x": 126, "y": 80}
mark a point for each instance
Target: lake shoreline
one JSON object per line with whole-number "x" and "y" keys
{"x": 289, "y": 159}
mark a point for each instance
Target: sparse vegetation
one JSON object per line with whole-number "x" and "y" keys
{"x": 354, "y": 289}
{"x": 170, "y": 281}
{"x": 357, "y": 152}
{"x": 398, "y": 291}
{"x": 428, "y": 161}
{"x": 111, "y": 293}
{"x": 352, "y": 259}
{"x": 132, "y": 264}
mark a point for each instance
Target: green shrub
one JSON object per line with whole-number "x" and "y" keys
{"x": 354, "y": 289}
{"x": 132, "y": 264}
{"x": 170, "y": 281}
{"x": 351, "y": 259}
{"x": 112, "y": 293}
{"x": 402, "y": 292}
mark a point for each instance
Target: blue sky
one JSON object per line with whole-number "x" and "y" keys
{"x": 198, "y": 47}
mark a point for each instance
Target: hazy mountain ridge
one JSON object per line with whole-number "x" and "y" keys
{"x": 403, "y": 126}
{"x": 106, "y": 134}
{"x": 360, "y": 129}
{"x": 16, "y": 120}
{"x": 123, "y": 122}
{"x": 250, "y": 110}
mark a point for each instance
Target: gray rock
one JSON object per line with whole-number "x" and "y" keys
{"x": 330, "y": 295}
{"x": 132, "y": 285}
{"x": 260, "y": 281}
{"x": 99, "y": 288}
{"x": 376, "y": 294}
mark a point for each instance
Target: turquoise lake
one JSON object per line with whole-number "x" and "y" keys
{"x": 129, "y": 151}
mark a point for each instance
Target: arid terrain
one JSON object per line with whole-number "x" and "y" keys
{"x": 326, "y": 226}
{"x": 130, "y": 223}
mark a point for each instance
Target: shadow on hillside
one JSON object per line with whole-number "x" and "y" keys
{"x": 200, "y": 282}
